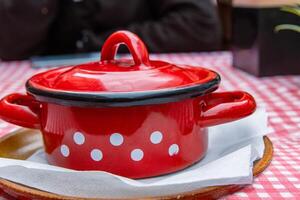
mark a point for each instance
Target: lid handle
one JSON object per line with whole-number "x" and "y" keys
{"x": 135, "y": 45}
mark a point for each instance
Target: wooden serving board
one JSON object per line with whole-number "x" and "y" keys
{"x": 24, "y": 142}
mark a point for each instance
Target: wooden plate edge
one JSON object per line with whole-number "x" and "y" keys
{"x": 212, "y": 192}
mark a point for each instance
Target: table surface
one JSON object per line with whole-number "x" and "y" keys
{"x": 280, "y": 95}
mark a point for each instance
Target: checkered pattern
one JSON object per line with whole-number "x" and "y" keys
{"x": 280, "y": 95}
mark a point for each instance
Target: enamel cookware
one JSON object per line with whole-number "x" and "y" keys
{"x": 136, "y": 118}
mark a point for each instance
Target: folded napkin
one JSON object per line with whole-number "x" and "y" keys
{"x": 232, "y": 149}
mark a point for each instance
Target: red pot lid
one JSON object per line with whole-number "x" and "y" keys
{"x": 113, "y": 82}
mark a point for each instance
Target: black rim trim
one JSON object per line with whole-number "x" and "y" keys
{"x": 124, "y": 98}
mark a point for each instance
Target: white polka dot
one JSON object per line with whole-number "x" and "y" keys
{"x": 156, "y": 137}
{"x": 116, "y": 139}
{"x": 96, "y": 154}
{"x": 173, "y": 149}
{"x": 64, "y": 150}
{"x": 137, "y": 154}
{"x": 78, "y": 138}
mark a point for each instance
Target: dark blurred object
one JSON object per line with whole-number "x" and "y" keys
{"x": 24, "y": 27}
{"x": 256, "y": 47}
{"x": 164, "y": 25}
{"x": 76, "y": 26}
{"x": 225, "y": 10}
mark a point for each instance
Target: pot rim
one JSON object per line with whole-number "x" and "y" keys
{"x": 123, "y": 99}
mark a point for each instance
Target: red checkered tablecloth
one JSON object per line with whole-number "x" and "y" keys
{"x": 279, "y": 95}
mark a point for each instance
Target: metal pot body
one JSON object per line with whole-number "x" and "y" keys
{"x": 136, "y": 142}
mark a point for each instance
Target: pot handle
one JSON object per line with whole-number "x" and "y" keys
{"x": 219, "y": 108}
{"x": 135, "y": 45}
{"x": 21, "y": 110}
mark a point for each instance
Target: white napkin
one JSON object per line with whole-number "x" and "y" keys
{"x": 232, "y": 149}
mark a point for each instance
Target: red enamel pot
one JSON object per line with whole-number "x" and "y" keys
{"x": 136, "y": 118}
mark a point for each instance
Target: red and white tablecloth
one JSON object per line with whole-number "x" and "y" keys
{"x": 279, "y": 95}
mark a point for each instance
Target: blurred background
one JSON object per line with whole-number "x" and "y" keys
{"x": 31, "y": 28}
